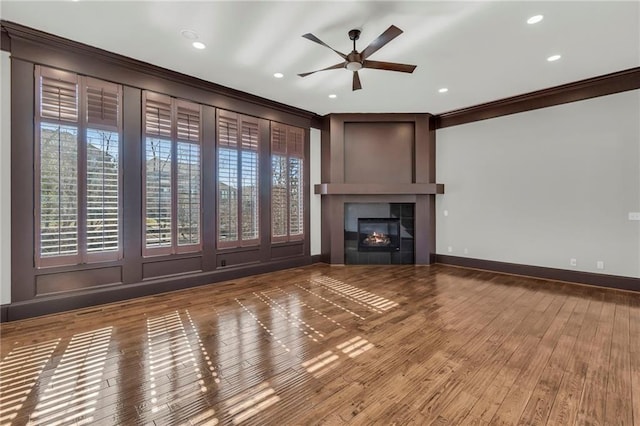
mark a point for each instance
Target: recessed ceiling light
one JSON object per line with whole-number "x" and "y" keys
{"x": 553, "y": 58}
{"x": 535, "y": 19}
{"x": 278, "y": 75}
{"x": 443, "y": 90}
{"x": 332, "y": 96}
{"x": 198, "y": 45}
{"x": 189, "y": 34}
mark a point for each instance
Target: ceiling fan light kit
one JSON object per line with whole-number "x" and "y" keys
{"x": 353, "y": 66}
{"x": 356, "y": 61}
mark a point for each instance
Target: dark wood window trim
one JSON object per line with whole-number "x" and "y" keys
{"x": 232, "y": 136}
{"x": 163, "y": 122}
{"x": 81, "y": 105}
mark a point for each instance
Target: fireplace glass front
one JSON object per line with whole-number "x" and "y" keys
{"x": 378, "y": 234}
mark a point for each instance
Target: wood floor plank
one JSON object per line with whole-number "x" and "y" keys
{"x": 594, "y": 394}
{"x": 618, "y": 408}
{"x": 564, "y": 409}
{"x": 541, "y": 400}
{"x": 404, "y": 345}
{"x": 520, "y": 392}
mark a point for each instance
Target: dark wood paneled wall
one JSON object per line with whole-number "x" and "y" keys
{"x": 360, "y": 141}
{"x": 36, "y": 291}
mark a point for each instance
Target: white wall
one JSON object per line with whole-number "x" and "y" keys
{"x": 545, "y": 186}
{"x": 5, "y": 178}
{"x": 314, "y": 170}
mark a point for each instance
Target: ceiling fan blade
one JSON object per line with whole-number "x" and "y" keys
{"x": 389, "y": 66}
{"x": 356, "y": 81}
{"x": 332, "y": 67}
{"x": 311, "y": 37}
{"x": 384, "y": 38}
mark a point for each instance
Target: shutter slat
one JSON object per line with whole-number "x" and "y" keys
{"x": 227, "y": 194}
{"x": 296, "y": 198}
{"x": 249, "y": 207}
{"x": 103, "y": 195}
{"x": 158, "y": 116}
{"x": 59, "y": 98}
{"x": 58, "y": 190}
{"x": 103, "y": 102}
{"x": 278, "y": 140}
{"x": 295, "y": 142}
{"x": 158, "y": 193}
{"x": 188, "y": 187}
{"x": 227, "y": 132}
{"x": 249, "y": 135}
{"x": 279, "y": 195}
{"x": 188, "y": 122}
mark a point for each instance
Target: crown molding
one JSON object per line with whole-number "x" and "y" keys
{"x": 11, "y": 30}
{"x": 607, "y": 84}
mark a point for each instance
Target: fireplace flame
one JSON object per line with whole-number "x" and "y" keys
{"x": 377, "y": 239}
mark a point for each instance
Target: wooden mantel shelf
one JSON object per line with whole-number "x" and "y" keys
{"x": 378, "y": 188}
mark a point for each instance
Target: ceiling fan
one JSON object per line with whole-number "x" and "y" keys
{"x": 355, "y": 61}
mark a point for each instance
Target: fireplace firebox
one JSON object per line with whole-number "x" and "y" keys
{"x": 378, "y": 234}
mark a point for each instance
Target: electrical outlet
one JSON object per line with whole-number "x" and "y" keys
{"x": 600, "y": 264}
{"x": 573, "y": 262}
{"x": 634, "y": 215}
{"x": 450, "y": 249}
{"x": 466, "y": 250}
{"x": 223, "y": 262}
{"x": 446, "y": 212}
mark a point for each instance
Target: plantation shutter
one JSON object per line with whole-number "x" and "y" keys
{"x": 158, "y": 173}
{"x": 157, "y": 115}
{"x": 250, "y": 191}
{"x": 295, "y": 142}
{"x": 295, "y": 148}
{"x": 58, "y": 95}
{"x": 57, "y": 163}
{"x": 227, "y": 130}
{"x": 278, "y": 139}
{"x": 228, "y": 186}
{"x": 103, "y": 167}
{"x": 103, "y": 104}
{"x": 188, "y": 173}
{"x": 78, "y": 125}
{"x": 188, "y": 122}
{"x": 287, "y": 183}
{"x": 279, "y": 183}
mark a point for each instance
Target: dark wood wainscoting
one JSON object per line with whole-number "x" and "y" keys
{"x": 171, "y": 281}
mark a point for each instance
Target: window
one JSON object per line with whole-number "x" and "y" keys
{"x": 287, "y": 183}
{"x": 238, "y": 192}
{"x": 171, "y": 174}
{"x": 78, "y": 178}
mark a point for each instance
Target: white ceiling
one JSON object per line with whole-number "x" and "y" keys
{"x": 480, "y": 50}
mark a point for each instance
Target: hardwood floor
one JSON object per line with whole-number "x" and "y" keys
{"x": 334, "y": 345}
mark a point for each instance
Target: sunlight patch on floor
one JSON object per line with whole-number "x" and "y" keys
{"x": 251, "y": 402}
{"x": 72, "y": 393}
{"x": 354, "y": 347}
{"x": 19, "y": 372}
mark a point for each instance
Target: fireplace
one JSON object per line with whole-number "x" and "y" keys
{"x": 378, "y": 234}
